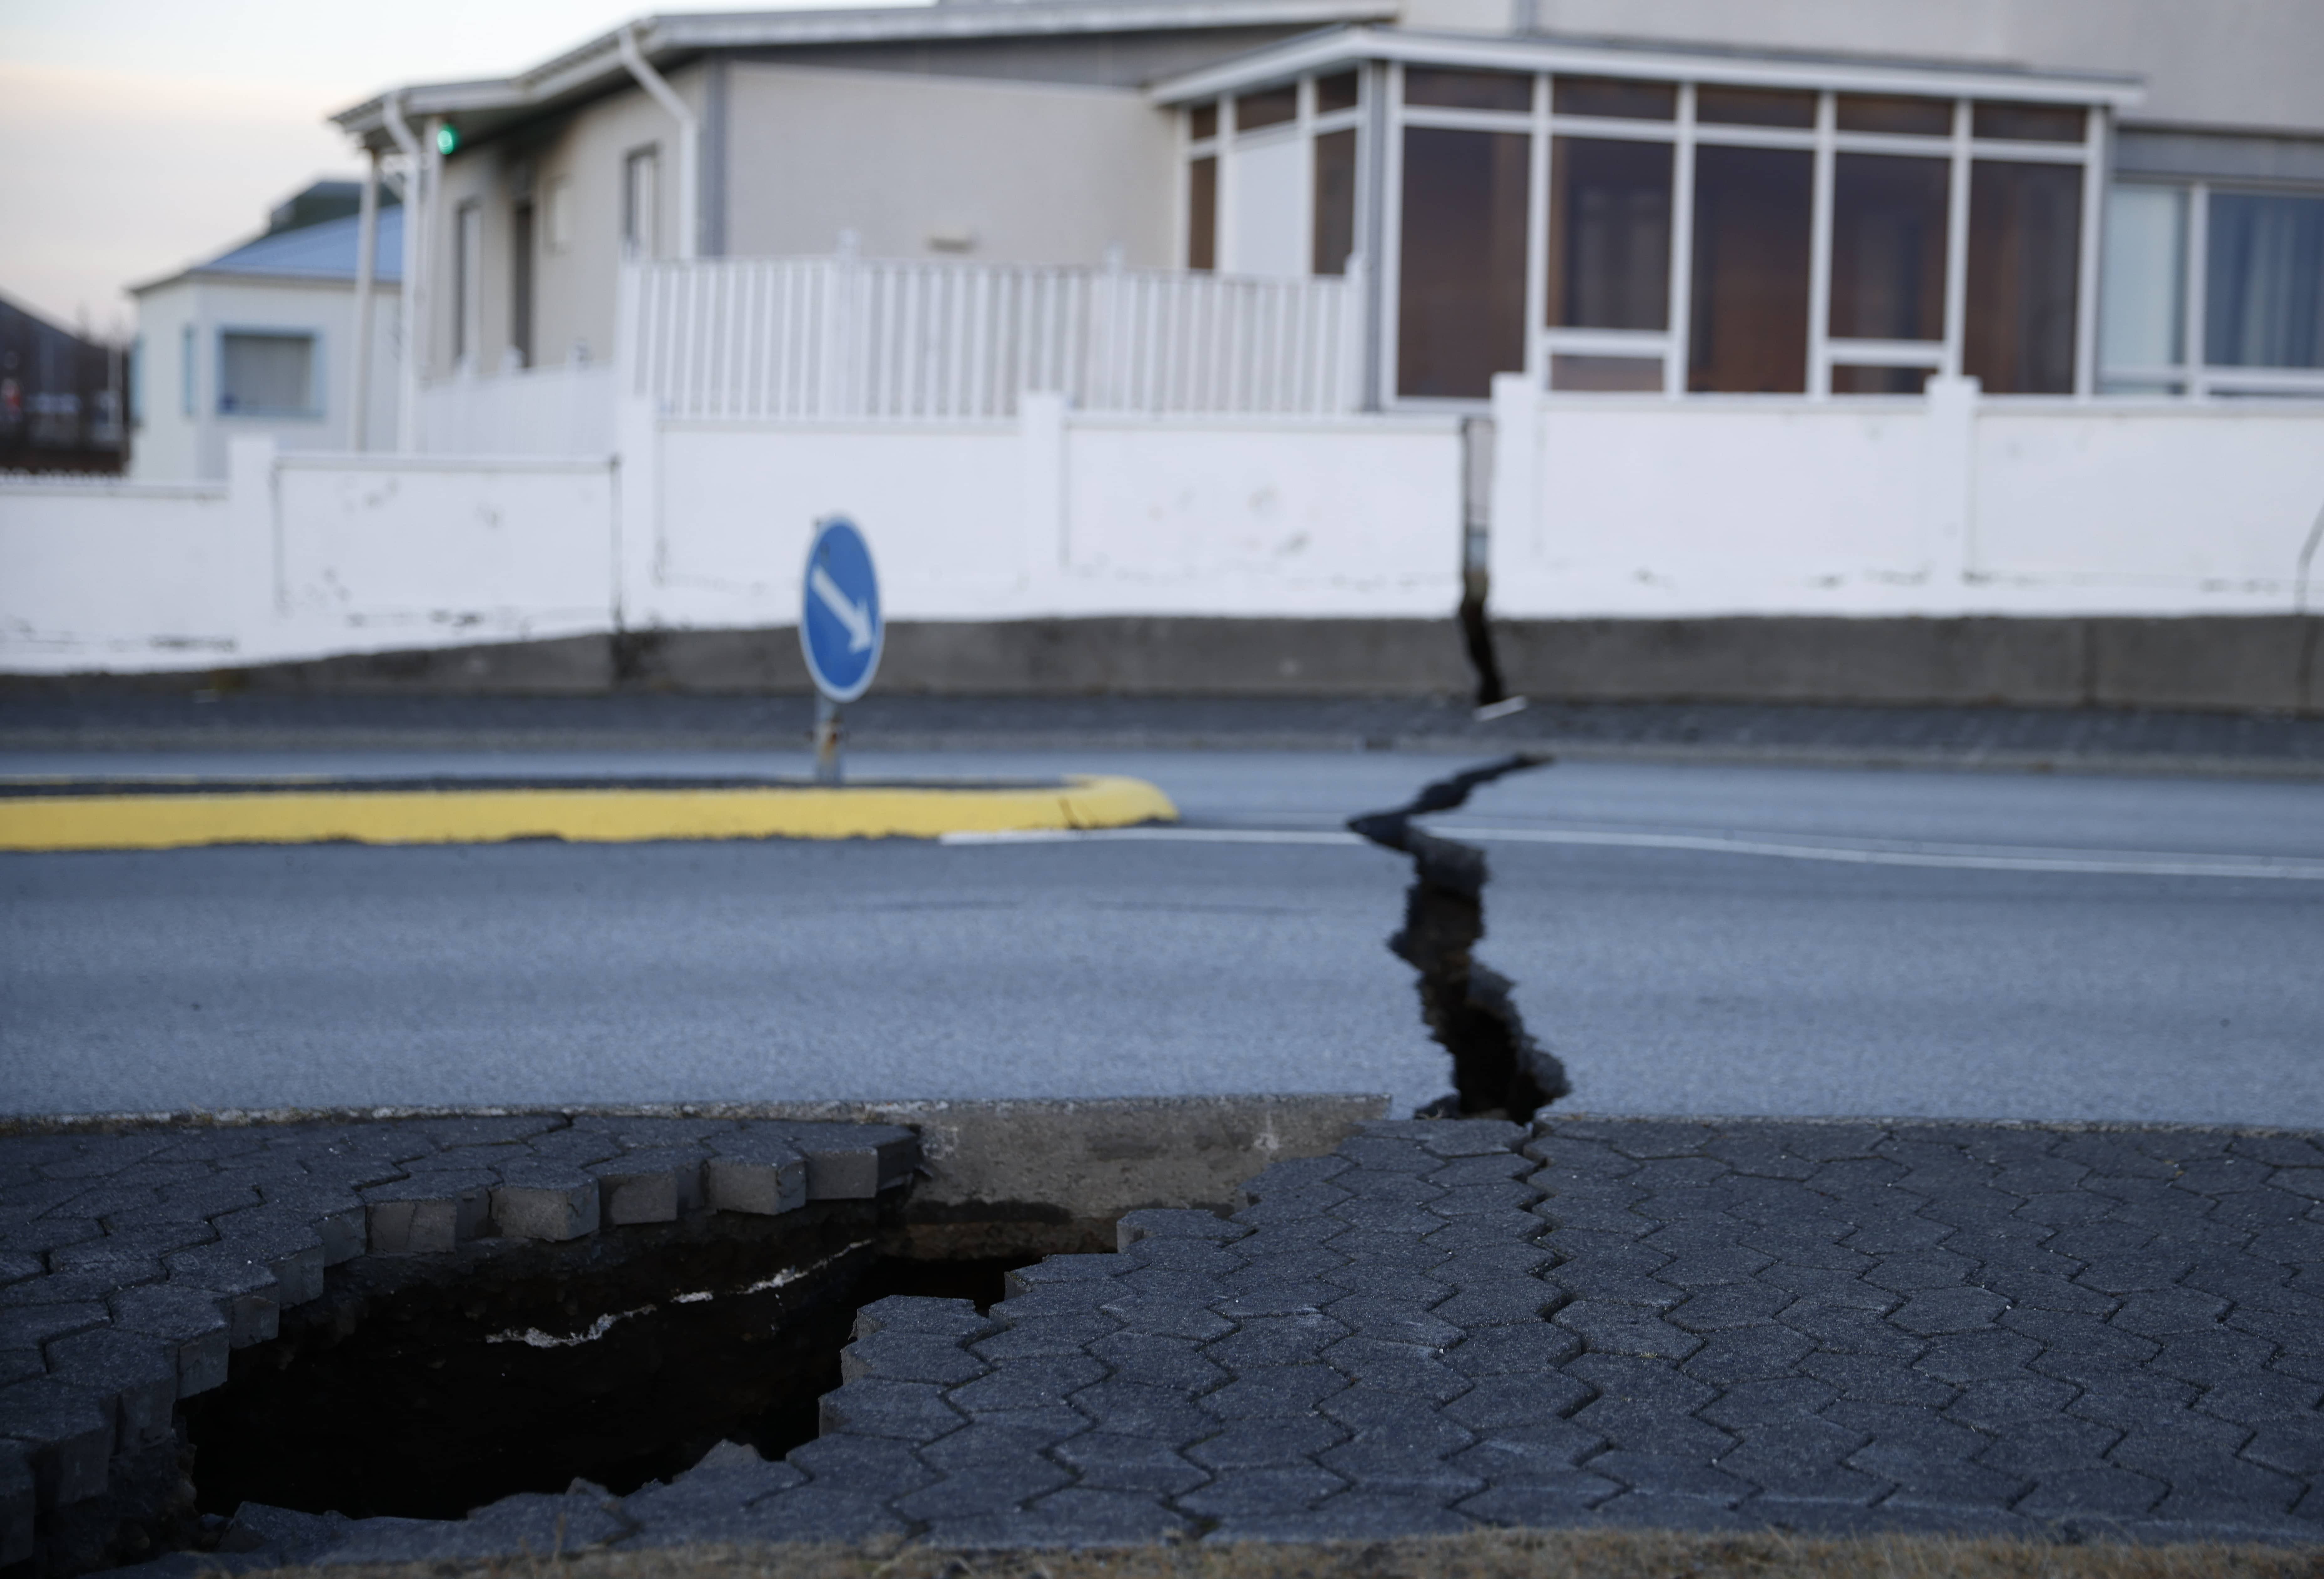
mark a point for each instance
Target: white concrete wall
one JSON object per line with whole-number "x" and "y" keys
{"x": 1602, "y": 508}
{"x": 177, "y": 443}
{"x": 1614, "y": 507}
{"x": 1051, "y": 516}
{"x": 122, "y": 576}
{"x": 302, "y": 556}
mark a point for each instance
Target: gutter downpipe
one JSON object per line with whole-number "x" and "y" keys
{"x": 366, "y": 246}
{"x": 414, "y": 289}
{"x": 689, "y": 136}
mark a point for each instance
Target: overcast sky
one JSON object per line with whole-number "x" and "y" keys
{"x": 143, "y": 135}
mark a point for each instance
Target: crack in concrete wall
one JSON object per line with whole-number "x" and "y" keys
{"x": 1499, "y": 1070}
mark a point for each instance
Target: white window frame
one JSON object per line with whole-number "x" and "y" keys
{"x": 318, "y": 381}
{"x": 2194, "y": 375}
{"x": 1383, "y": 117}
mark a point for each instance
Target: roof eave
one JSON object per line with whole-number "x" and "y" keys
{"x": 1349, "y": 45}
{"x": 598, "y": 62}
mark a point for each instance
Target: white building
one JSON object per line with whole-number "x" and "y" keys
{"x": 1825, "y": 199}
{"x": 261, "y": 340}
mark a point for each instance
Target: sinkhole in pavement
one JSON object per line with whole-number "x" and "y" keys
{"x": 421, "y": 1389}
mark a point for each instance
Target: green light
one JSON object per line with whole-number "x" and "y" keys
{"x": 447, "y": 139}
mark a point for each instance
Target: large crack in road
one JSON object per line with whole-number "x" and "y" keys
{"x": 1499, "y": 1070}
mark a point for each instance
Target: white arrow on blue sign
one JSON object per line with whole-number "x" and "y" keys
{"x": 840, "y": 628}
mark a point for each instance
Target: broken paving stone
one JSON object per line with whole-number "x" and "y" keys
{"x": 651, "y": 1186}
{"x": 545, "y": 1200}
{"x": 137, "y": 1377}
{"x": 65, "y": 1433}
{"x": 755, "y": 1171}
{"x": 430, "y": 1214}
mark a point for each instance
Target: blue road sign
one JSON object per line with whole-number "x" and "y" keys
{"x": 840, "y": 628}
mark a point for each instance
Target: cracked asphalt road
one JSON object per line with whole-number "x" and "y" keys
{"x": 1671, "y": 978}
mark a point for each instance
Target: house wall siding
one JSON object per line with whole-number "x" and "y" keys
{"x": 1039, "y": 173}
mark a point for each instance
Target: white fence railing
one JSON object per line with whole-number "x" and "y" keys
{"x": 783, "y": 338}
{"x": 545, "y": 411}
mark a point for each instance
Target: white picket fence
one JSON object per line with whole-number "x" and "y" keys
{"x": 806, "y": 338}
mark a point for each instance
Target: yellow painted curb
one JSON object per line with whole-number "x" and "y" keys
{"x": 175, "y": 819}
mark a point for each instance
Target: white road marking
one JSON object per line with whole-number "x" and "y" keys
{"x": 1964, "y": 858}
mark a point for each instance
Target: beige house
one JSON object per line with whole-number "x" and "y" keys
{"x": 1819, "y": 198}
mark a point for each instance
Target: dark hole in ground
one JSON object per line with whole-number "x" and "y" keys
{"x": 1498, "y": 1069}
{"x": 424, "y": 1390}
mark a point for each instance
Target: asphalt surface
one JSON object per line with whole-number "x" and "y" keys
{"x": 38, "y": 716}
{"x": 1690, "y": 939}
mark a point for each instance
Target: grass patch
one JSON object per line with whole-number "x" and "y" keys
{"x": 1583, "y": 1554}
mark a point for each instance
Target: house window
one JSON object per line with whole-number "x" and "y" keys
{"x": 1888, "y": 247}
{"x": 467, "y": 262}
{"x": 1610, "y": 216}
{"x": 1462, "y": 299}
{"x": 2141, "y": 311}
{"x": 2264, "y": 277}
{"x": 1277, "y": 106}
{"x": 521, "y": 245}
{"x": 2025, "y": 262}
{"x": 1202, "y": 213}
{"x": 1756, "y": 236}
{"x": 1335, "y": 202}
{"x": 1749, "y": 316}
{"x": 266, "y": 374}
{"x": 2211, "y": 290}
{"x": 186, "y": 369}
{"x": 641, "y": 204}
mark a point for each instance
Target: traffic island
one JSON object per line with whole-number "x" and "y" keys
{"x": 1873, "y": 1339}
{"x": 145, "y": 814}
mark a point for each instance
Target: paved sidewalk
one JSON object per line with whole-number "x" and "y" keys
{"x": 2091, "y": 739}
{"x": 1829, "y": 1328}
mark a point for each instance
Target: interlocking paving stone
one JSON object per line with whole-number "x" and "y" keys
{"x": 134, "y": 1261}
{"x": 1831, "y": 1327}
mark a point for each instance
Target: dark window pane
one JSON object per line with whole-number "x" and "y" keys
{"x": 2028, "y": 123}
{"x": 1753, "y": 107}
{"x": 1203, "y": 121}
{"x": 1460, "y": 302}
{"x": 2025, "y": 260}
{"x": 520, "y": 234}
{"x": 1610, "y": 210}
{"x": 1911, "y": 117}
{"x": 1271, "y": 109}
{"x": 1335, "y": 201}
{"x": 1749, "y": 332}
{"x": 1467, "y": 90}
{"x": 1626, "y": 375}
{"x": 265, "y": 375}
{"x": 1616, "y": 97}
{"x": 1203, "y": 214}
{"x": 1335, "y": 93}
{"x": 1888, "y": 247}
{"x": 2264, "y": 281}
{"x": 1878, "y": 381}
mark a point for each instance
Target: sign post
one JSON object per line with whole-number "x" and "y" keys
{"x": 841, "y": 630}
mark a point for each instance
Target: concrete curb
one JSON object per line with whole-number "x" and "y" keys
{"x": 181, "y": 817}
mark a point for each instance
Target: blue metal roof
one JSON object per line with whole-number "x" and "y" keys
{"x": 317, "y": 252}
